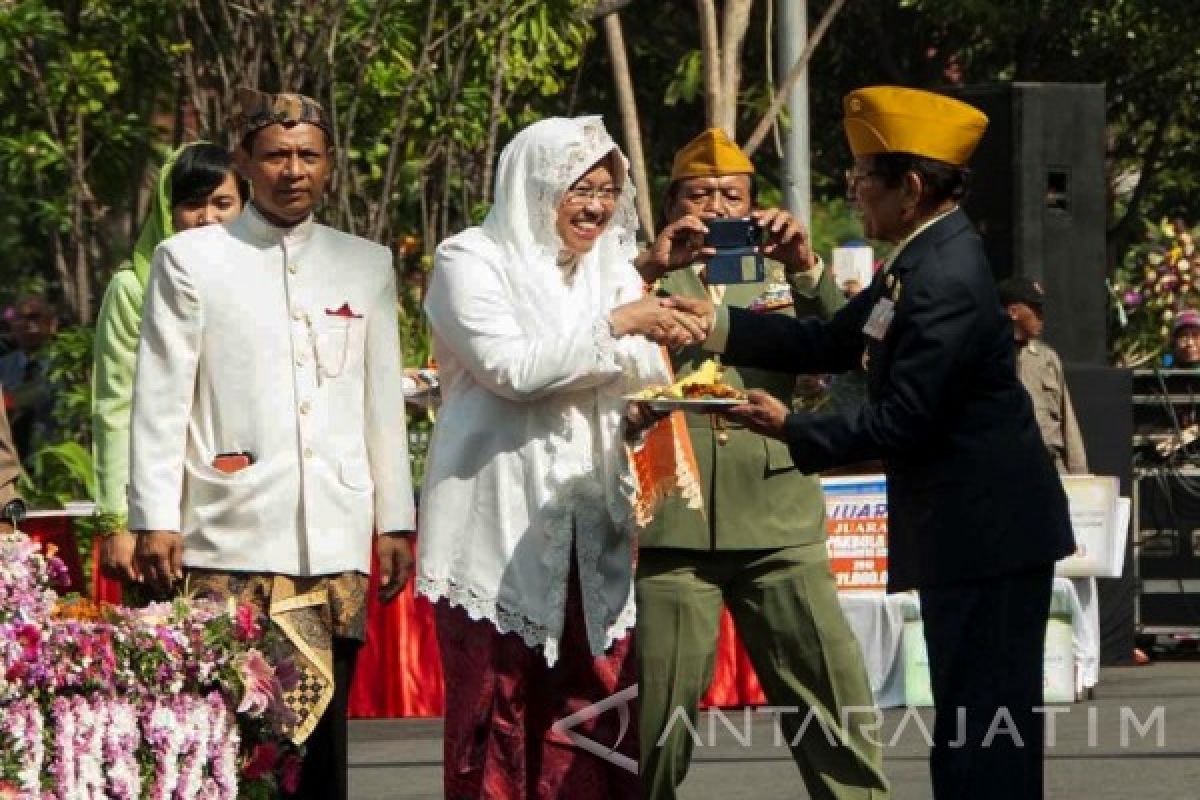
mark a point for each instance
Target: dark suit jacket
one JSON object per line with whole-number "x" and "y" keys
{"x": 971, "y": 490}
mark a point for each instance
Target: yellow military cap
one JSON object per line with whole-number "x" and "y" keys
{"x": 893, "y": 119}
{"x": 256, "y": 110}
{"x": 710, "y": 154}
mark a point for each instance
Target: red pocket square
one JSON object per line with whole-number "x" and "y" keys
{"x": 345, "y": 311}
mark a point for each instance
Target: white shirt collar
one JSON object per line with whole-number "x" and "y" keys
{"x": 257, "y": 226}
{"x": 899, "y": 248}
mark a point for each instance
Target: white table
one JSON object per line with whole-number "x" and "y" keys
{"x": 878, "y": 621}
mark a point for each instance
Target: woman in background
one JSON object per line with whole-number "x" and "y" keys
{"x": 196, "y": 186}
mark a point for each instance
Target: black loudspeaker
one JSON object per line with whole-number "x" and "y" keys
{"x": 1038, "y": 199}
{"x": 1103, "y": 400}
{"x": 1168, "y": 554}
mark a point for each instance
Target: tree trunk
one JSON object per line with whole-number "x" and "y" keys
{"x": 733, "y": 34}
{"x": 629, "y": 120}
{"x": 489, "y": 151}
{"x": 82, "y": 287}
{"x": 710, "y": 52}
{"x": 375, "y": 226}
{"x": 602, "y": 8}
{"x": 768, "y": 118}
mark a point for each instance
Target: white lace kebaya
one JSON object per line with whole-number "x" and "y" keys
{"x": 528, "y": 454}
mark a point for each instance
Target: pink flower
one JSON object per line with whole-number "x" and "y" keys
{"x": 60, "y": 578}
{"x": 246, "y": 625}
{"x": 30, "y": 637}
{"x": 262, "y": 761}
{"x": 258, "y": 682}
{"x": 289, "y": 773}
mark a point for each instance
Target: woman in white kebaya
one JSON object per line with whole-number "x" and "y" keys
{"x": 526, "y": 542}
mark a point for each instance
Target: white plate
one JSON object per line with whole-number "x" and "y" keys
{"x": 688, "y": 404}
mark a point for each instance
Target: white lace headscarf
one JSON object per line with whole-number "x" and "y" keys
{"x": 536, "y": 169}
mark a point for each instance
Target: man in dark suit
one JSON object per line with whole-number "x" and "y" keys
{"x": 977, "y": 516}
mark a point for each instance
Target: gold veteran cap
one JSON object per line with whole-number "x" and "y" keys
{"x": 255, "y": 110}
{"x": 710, "y": 154}
{"x": 893, "y": 119}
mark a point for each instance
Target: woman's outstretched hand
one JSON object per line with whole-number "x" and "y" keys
{"x": 659, "y": 320}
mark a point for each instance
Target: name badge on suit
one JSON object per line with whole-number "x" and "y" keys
{"x": 880, "y": 319}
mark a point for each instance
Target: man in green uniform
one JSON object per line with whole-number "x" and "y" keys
{"x": 758, "y": 544}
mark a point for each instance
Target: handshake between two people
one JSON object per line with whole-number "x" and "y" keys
{"x": 678, "y": 322}
{"x": 673, "y": 322}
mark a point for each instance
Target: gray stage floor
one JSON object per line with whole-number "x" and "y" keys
{"x": 402, "y": 758}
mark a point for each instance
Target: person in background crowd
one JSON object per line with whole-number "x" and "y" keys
{"x": 1041, "y": 373}
{"x": 756, "y": 544}
{"x": 10, "y": 470}
{"x": 1185, "y": 339}
{"x": 196, "y": 186}
{"x": 268, "y": 438}
{"x": 977, "y": 515}
{"x": 527, "y": 512}
{"x": 1184, "y": 354}
{"x": 24, "y": 373}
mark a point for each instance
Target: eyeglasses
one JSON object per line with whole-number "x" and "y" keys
{"x": 853, "y": 176}
{"x": 583, "y": 195}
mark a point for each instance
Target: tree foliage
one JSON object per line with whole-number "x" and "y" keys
{"x": 1146, "y": 52}
{"x": 77, "y": 82}
{"x": 422, "y": 93}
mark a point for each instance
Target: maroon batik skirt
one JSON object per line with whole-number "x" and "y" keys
{"x": 502, "y": 699}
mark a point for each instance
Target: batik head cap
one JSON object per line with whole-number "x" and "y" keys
{"x": 893, "y": 119}
{"x": 256, "y": 110}
{"x": 709, "y": 155}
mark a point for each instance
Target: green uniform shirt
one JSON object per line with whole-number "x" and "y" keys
{"x": 754, "y": 498}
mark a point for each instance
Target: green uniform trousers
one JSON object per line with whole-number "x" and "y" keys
{"x": 785, "y": 607}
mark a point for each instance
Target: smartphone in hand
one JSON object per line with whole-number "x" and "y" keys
{"x": 739, "y": 254}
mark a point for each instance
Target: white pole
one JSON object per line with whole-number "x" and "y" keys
{"x": 793, "y": 34}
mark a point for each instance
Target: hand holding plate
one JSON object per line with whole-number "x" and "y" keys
{"x": 762, "y": 413}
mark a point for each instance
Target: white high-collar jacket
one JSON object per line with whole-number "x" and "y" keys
{"x": 282, "y": 343}
{"x": 527, "y": 459}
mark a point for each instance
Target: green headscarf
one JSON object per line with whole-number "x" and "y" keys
{"x": 158, "y": 225}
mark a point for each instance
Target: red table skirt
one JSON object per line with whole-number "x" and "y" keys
{"x": 400, "y": 671}
{"x": 56, "y": 537}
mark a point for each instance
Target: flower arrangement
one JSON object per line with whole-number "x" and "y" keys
{"x": 175, "y": 700}
{"x": 1159, "y": 278}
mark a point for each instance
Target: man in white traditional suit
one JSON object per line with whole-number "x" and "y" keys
{"x": 268, "y": 434}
